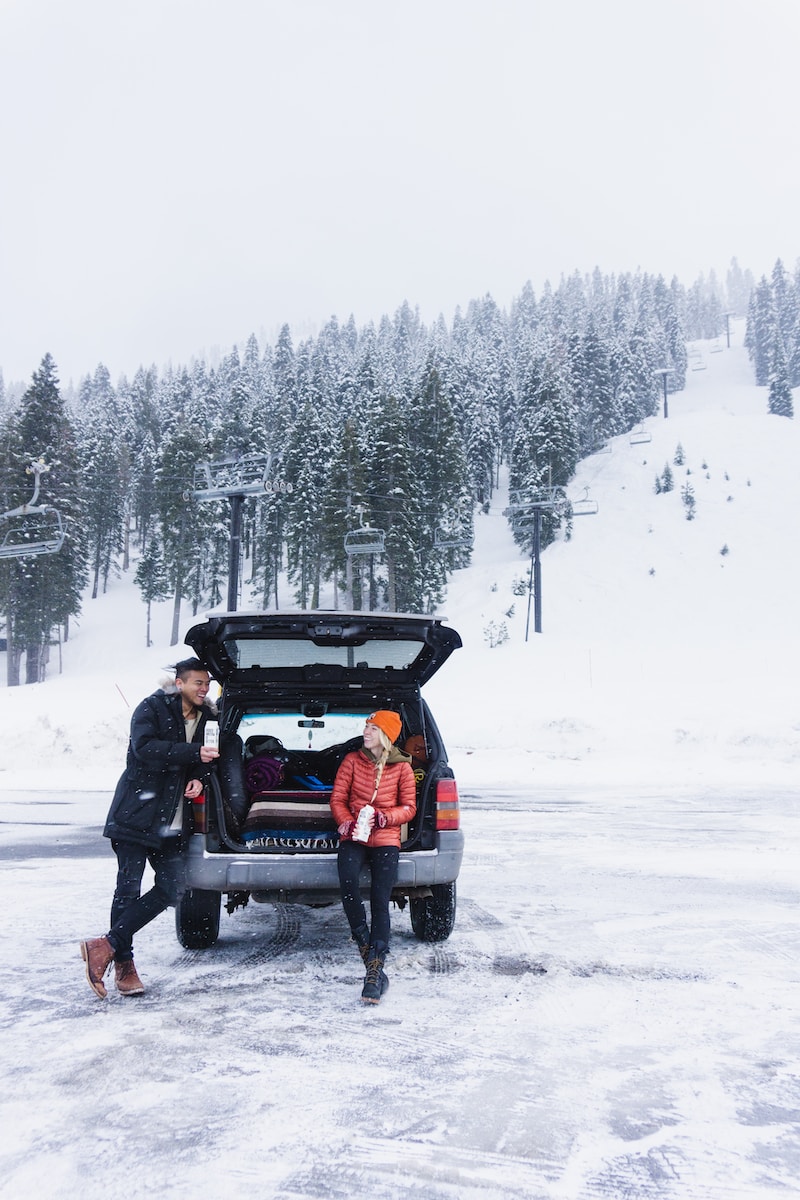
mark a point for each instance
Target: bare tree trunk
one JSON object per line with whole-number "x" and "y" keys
{"x": 96, "y": 581}
{"x": 176, "y": 614}
{"x": 32, "y": 662}
{"x": 148, "y": 643}
{"x": 13, "y": 656}
{"x": 316, "y": 581}
{"x": 391, "y": 592}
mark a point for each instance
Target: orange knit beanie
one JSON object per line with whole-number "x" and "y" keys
{"x": 388, "y": 721}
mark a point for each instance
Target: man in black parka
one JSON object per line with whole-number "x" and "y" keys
{"x": 149, "y": 817}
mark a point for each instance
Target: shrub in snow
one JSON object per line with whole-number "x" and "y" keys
{"x": 689, "y": 502}
{"x": 724, "y": 550}
{"x": 679, "y": 458}
{"x": 496, "y": 634}
{"x": 665, "y": 481}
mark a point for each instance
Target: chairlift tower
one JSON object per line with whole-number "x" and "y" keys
{"x": 727, "y": 315}
{"x": 234, "y": 479}
{"x": 526, "y": 514}
{"x": 664, "y": 372}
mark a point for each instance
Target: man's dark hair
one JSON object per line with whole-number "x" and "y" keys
{"x": 186, "y": 665}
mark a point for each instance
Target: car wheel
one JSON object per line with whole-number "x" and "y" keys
{"x": 197, "y": 919}
{"x": 433, "y": 917}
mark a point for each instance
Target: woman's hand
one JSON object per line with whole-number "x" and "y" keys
{"x": 346, "y": 830}
{"x": 193, "y": 789}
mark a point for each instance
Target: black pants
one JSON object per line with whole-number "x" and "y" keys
{"x": 130, "y": 911}
{"x": 383, "y": 874}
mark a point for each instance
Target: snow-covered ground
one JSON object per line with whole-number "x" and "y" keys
{"x": 615, "y": 1013}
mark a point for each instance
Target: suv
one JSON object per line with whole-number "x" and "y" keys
{"x": 296, "y": 690}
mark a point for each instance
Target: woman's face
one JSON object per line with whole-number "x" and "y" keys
{"x": 372, "y": 738}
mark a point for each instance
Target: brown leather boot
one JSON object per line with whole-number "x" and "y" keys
{"x": 127, "y": 979}
{"x": 98, "y": 955}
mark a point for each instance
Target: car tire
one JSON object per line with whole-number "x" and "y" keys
{"x": 433, "y": 917}
{"x": 197, "y": 919}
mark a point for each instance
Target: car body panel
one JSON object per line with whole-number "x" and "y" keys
{"x": 314, "y": 873}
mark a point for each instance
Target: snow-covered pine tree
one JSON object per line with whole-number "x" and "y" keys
{"x": 39, "y": 594}
{"x": 397, "y": 505}
{"x": 344, "y": 505}
{"x": 738, "y": 286}
{"x": 151, "y": 578}
{"x": 761, "y": 329}
{"x": 780, "y": 394}
{"x": 306, "y": 462}
{"x": 596, "y": 388}
{"x": 101, "y": 447}
{"x": 440, "y": 472}
{"x": 545, "y": 445}
{"x": 183, "y": 521}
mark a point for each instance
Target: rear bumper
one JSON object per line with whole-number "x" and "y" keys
{"x": 314, "y": 876}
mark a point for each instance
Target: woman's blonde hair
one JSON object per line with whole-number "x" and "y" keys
{"x": 385, "y": 743}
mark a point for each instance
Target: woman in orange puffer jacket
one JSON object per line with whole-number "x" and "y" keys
{"x": 378, "y": 778}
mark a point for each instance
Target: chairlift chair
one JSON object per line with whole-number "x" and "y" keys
{"x": 640, "y": 436}
{"x": 585, "y": 507}
{"x": 31, "y": 529}
{"x": 365, "y": 540}
{"x": 450, "y": 534}
{"x": 445, "y": 541}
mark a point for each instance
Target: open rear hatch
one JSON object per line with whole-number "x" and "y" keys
{"x": 378, "y": 650}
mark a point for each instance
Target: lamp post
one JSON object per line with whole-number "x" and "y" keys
{"x": 664, "y": 372}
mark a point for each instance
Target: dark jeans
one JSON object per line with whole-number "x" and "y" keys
{"x": 382, "y": 862}
{"x": 130, "y": 911}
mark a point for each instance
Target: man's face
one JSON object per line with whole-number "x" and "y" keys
{"x": 194, "y": 687}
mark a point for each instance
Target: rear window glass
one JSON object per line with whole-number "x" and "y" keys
{"x": 296, "y": 732}
{"x": 270, "y": 653}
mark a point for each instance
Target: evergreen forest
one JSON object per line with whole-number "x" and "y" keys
{"x": 390, "y": 435}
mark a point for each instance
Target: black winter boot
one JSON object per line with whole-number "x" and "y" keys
{"x": 361, "y": 939}
{"x": 375, "y": 981}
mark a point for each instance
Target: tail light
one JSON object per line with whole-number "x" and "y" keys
{"x": 448, "y": 815}
{"x": 199, "y": 817}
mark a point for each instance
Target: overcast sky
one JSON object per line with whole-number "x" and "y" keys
{"x": 177, "y": 174}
